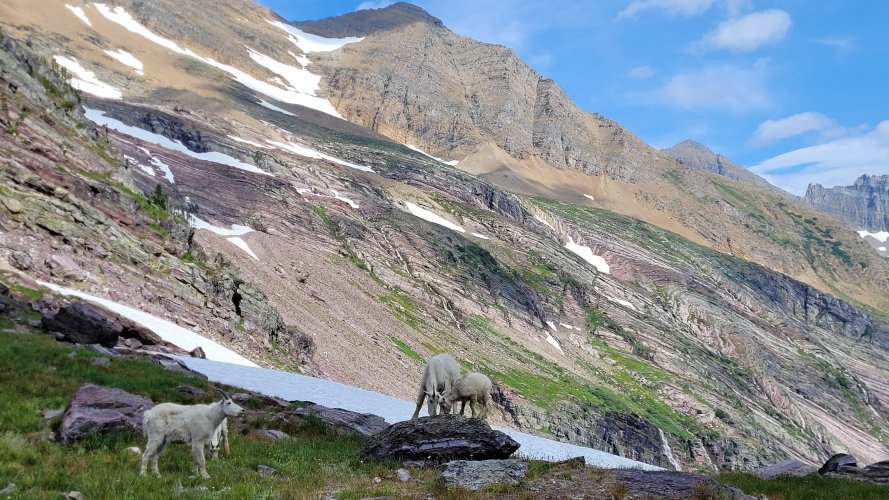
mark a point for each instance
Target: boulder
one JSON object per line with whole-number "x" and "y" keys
{"x": 841, "y": 463}
{"x": 85, "y": 323}
{"x": 433, "y": 440}
{"x": 793, "y": 468}
{"x": 105, "y": 410}
{"x": 190, "y": 392}
{"x": 367, "y": 424}
{"x": 269, "y": 434}
{"x": 475, "y": 475}
{"x": 877, "y": 472}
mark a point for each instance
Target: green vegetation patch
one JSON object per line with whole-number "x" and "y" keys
{"x": 406, "y": 349}
{"x": 811, "y": 487}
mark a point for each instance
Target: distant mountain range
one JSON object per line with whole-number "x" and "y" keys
{"x": 863, "y": 205}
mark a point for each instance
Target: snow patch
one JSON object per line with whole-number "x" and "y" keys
{"x": 553, "y": 342}
{"x": 245, "y": 141}
{"x": 552, "y": 325}
{"x": 164, "y": 168}
{"x": 624, "y": 303}
{"x": 882, "y": 249}
{"x": 302, "y": 96}
{"x": 586, "y": 253}
{"x": 547, "y": 224}
{"x": 432, "y": 217}
{"x": 313, "y": 43}
{"x": 302, "y": 60}
{"x": 240, "y": 243}
{"x": 880, "y": 236}
{"x": 236, "y": 230}
{"x": 168, "y": 331}
{"x": 477, "y": 235}
{"x": 341, "y": 198}
{"x": 126, "y": 59}
{"x": 311, "y": 153}
{"x": 303, "y": 190}
{"x": 145, "y": 168}
{"x": 452, "y": 163}
{"x": 298, "y": 79}
{"x": 86, "y": 81}
{"x": 98, "y": 117}
{"x": 266, "y": 104}
{"x": 590, "y": 197}
{"x": 79, "y": 13}
{"x": 569, "y": 327}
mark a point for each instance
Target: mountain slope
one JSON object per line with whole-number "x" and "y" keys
{"x": 598, "y": 328}
{"x": 697, "y": 155}
{"x": 419, "y": 83}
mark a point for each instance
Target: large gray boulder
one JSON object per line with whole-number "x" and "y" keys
{"x": 793, "y": 468}
{"x": 85, "y": 323}
{"x": 104, "y": 410}
{"x": 475, "y": 475}
{"x": 877, "y": 472}
{"x": 433, "y": 440}
{"x": 841, "y": 463}
{"x": 367, "y": 424}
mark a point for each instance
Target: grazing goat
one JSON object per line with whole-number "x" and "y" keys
{"x": 438, "y": 376}
{"x": 194, "y": 425}
{"x": 472, "y": 387}
{"x": 219, "y": 439}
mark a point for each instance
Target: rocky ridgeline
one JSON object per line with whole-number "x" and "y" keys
{"x": 696, "y": 155}
{"x": 863, "y": 205}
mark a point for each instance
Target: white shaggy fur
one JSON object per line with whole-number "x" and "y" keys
{"x": 194, "y": 425}
{"x": 438, "y": 376}
{"x": 219, "y": 439}
{"x": 472, "y": 387}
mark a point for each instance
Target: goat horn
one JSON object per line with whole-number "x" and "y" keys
{"x": 224, "y": 394}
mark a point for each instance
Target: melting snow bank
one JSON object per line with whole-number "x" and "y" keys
{"x": 233, "y": 235}
{"x": 308, "y": 42}
{"x": 98, "y": 117}
{"x": 294, "y": 387}
{"x": 452, "y": 163}
{"x": 880, "y": 236}
{"x": 624, "y": 303}
{"x": 170, "y": 332}
{"x": 126, "y": 59}
{"x": 586, "y": 253}
{"x": 311, "y": 153}
{"x": 547, "y": 224}
{"x": 553, "y": 342}
{"x": 266, "y": 104}
{"x": 79, "y": 13}
{"x": 86, "y": 81}
{"x": 302, "y": 93}
{"x": 432, "y": 217}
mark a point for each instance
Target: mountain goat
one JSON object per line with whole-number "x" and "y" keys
{"x": 472, "y": 387}
{"x": 438, "y": 376}
{"x": 193, "y": 424}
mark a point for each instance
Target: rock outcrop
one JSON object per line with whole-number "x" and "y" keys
{"x": 433, "y": 440}
{"x": 474, "y": 475}
{"x": 102, "y": 410}
{"x": 863, "y": 205}
{"x": 366, "y": 424}
{"x": 696, "y": 155}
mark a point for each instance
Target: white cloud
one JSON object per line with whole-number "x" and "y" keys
{"x": 641, "y": 72}
{"x": 379, "y": 4}
{"x": 727, "y": 87}
{"x": 747, "y": 33}
{"x": 671, "y": 7}
{"x": 840, "y": 43}
{"x": 833, "y": 163}
{"x": 775, "y": 130}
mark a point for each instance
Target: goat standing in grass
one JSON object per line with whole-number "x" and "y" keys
{"x": 192, "y": 424}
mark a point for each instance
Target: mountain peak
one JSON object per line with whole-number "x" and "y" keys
{"x": 692, "y": 145}
{"x": 366, "y": 21}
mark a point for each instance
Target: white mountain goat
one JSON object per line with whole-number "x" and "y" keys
{"x": 219, "y": 439}
{"x": 192, "y": 424}
{"x": 438, "y": 376}
{"x": 474, "y": 388}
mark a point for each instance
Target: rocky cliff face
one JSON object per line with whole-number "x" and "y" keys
{"x": 359, "y": 258}
{"x": 863, "y": 205}
{"x": 696, "y": 155}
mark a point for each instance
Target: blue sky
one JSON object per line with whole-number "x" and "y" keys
{"x": 795, "y": 90}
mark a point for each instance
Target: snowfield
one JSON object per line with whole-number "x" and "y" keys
{"x": 170, "y": 332}
{"x": 586, "y": 253}
{"x": 233, "y": 235}
{"x": 880, "y": 236}
{"x": 294, "y": 387}
{"x": 77, "y": 11}
{"x": 311, "y": 153}
{"x": 432, "y": 217}
{"x": 86, "y": 81}
{"x": 452, "y": 163}
{"x": 98, "y": 117}
{"x": 308, "y": 42}
{"x": 126, "y": 59}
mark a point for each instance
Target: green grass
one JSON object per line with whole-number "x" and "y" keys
{"x": 406, "y": 349}
{"x": 812, "y": 487}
